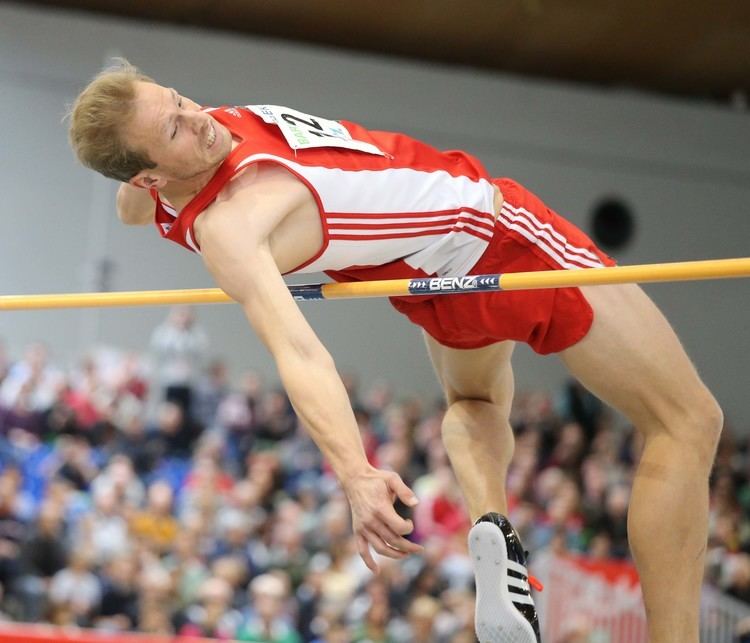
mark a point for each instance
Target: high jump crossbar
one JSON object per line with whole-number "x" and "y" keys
{"x": 643, "y": 273}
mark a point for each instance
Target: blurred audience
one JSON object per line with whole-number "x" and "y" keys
{"x": 213, "y": 514}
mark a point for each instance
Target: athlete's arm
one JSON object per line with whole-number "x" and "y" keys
{"x": 135, "y": 206}
{"x": 239, "y": 257}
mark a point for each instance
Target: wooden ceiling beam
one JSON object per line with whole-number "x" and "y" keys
{"x": 700, "y": 47}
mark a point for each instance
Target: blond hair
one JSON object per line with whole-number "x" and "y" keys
{"x": 96, "y": 120}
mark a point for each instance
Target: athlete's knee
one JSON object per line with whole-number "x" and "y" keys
{"x": 694, "y": 420}
{"x": 708, "y": 421}
{"x": 467, "y": 399}
{"x": 497, "y": 392}
{"x": 469, "y": 412}
{"x": 471, "y": 421}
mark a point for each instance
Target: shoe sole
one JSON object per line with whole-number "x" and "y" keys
{"x": 497, "y": 619}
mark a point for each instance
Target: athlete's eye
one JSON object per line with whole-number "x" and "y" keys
{"x": 179, "y": 104}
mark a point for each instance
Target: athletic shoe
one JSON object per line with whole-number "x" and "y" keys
{"x": 505, "y": 611}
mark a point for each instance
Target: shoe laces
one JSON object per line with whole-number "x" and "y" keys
{"x": 534, "y": 582}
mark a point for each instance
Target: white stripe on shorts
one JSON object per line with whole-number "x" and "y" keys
{"x": 550, "y": 241}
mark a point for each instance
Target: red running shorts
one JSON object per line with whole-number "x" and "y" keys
{"x": 528, "y": 236}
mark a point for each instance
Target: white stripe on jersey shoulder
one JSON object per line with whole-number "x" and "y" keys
{"x": 168, "y": 209}
{"x": 190, "y": 242}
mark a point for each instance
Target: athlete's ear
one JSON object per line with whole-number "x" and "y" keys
{"x": 147, "y": 180}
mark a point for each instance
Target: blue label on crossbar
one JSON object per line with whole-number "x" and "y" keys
{"x": 447, "y": 285}
{"x": 307, "y": 292}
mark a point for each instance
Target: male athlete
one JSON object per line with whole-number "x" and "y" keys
{"x": 262, "y": 191}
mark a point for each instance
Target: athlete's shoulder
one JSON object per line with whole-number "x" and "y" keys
{"x": 264, "y": 181}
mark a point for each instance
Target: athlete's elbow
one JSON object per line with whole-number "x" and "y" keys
{"x": 132, "y": 209}
{"x": 312, "y": 360}
{"x": 305, "y": 349}
{"x": 129, "y": 217}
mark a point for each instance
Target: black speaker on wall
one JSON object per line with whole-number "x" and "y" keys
{"x": 612, "y": 223}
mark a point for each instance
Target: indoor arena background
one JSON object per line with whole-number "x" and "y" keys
{"x": 228, "y": 506}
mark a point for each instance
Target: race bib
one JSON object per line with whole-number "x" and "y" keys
{"x": 303, "y": 131}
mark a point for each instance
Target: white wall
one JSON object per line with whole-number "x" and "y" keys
{"x": 683, "y": 166}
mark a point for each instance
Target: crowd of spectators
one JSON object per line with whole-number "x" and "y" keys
{"x": 155, "y": 493}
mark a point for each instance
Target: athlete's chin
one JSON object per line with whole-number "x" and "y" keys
{"x": 223, "y": 144}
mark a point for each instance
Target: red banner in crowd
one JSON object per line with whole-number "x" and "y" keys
{"x": 22, "y": 633}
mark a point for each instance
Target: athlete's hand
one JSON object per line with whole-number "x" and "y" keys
{"x": 375, "y": 522}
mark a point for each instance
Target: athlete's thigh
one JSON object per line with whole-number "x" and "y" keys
{"x": 479, "y": 373}
{"x": 631, "y": 358}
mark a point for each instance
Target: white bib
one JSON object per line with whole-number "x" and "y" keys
{"x": 303, "y": 131}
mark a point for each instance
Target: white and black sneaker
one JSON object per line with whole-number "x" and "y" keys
{"x": 505, "y": 611}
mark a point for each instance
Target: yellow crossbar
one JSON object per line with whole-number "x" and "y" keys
{"x": 658, "y": 272}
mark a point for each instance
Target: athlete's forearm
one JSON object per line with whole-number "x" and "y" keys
{"x": 321, "y": 401}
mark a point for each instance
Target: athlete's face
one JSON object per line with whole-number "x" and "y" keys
{"x": 184, "y": 142}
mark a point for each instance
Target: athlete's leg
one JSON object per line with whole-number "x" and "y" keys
{"x": 478, "y": 386}
{"x": 632, "y": 359}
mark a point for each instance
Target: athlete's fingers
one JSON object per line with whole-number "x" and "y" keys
{"x": 382, "y": 547}
{"x": 394, "y": 540}
{"x": 400, "y": 488}
{"x": 364, "y": 551}
{"x": 387, "y": 515}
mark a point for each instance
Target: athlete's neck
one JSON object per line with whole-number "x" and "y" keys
{"x": 180, "y": 192}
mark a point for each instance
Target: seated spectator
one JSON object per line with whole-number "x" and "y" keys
{"x": 269, "y": 619}
{"x": 20, "y": 424}
{"x": 134, "y": 442}
{"x": 104, "y": 530}
{"x": 120, "y": 476}
{"x": 374, "y": 627}
{"x": 213, "y": 616}
{"x": 43, "y": 555}
{"x": 86, "y": 394}
{"x": 33, "y": 378}
{"x": 127, "y": 378}
{"x": 421, "y": 618}
{"x": 156, "y": 598}
{"x": 76, "y": 462}
{"x": 234, "y": 571}
{"x": 12, "y": 527}
{"x": 233, "y": 530}
{"x": 75, "y": 591}
{"x": 275, "y": 418}
{"x": 212, "y": 389}
{"x": 118, "y": 609}
{"x": 187, "y": 567}
{"x": 155, "y": 525}
{"x": 205, "y": 484}
{"x": 174, "y": 433}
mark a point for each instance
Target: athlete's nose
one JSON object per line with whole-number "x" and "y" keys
{"x": 198, "y": 121}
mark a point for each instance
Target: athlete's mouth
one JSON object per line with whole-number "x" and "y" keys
{"x": 211, "y": 136}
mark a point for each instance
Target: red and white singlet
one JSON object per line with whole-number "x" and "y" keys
{"x": 382, "y": 197}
